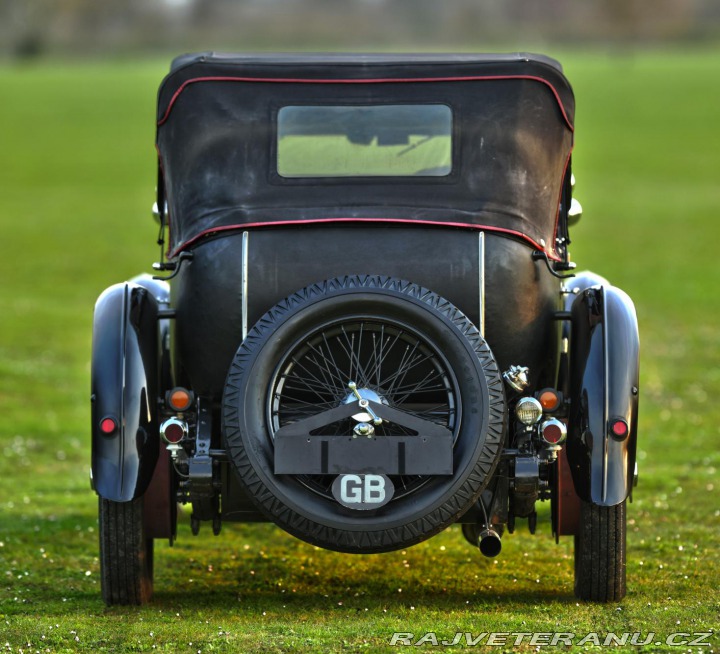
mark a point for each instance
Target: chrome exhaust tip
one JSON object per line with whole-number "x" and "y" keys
{"x": 489, "y": 543}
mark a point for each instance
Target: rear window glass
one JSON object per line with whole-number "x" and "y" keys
{"x": 364, "y": 141}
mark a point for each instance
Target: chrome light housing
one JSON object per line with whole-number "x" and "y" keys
{"x": 553, "y": 431}
{"x": 174, "y": 431}
{"x": 528, "y": 411}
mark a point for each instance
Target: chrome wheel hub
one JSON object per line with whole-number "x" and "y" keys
{"x": 362, "y": 396}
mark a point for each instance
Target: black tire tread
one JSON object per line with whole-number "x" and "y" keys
{"x": 126, "y": 556}
{"x": 600, "y": 555}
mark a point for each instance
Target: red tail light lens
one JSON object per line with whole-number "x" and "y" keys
{"x": 553, "y": 431}
{"x": 174, "y": 430}
{"x": 108, "y": 426}
{"x": 619, "y": 428}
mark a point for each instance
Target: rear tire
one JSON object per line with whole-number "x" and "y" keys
{"x": 600, "y": 553}
{"x": 126, "y": 554}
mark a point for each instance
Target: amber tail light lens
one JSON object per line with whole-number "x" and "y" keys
{"x": 180, "y": 399}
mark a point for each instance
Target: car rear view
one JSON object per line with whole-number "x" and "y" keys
{"x": 367, "y": 327}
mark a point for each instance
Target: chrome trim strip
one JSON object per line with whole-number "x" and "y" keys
{"x": 244, "y": 282}
{"x": 606, "y": 389}
{"x": 123, "y": 380}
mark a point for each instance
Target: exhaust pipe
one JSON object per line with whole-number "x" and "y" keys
{"x": 489, "y": 543}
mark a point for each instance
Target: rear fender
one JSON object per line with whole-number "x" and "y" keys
{"x": 124, "y": 378}
{"x": 572, "y": 288}
{"x": 604, "y": 383}
{"x": 160, "y": 290}
{"x": 576, "y": 285}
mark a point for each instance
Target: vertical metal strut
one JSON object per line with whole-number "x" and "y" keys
{"x": 244, "y": 282}
{"x": 481, "y": 266}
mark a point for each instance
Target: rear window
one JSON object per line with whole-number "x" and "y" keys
{"x": 365, "y": 141}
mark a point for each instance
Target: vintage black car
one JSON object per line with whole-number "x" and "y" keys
{"x": 365, "y": 326}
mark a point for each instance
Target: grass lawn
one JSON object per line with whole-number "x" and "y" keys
{"x": 77, "y": 173}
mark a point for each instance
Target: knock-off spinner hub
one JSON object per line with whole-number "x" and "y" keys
{"x": 363, "y": 396}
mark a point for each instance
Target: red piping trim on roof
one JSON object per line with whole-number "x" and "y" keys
{"x": 533, "y": 78}
{"x": 403, "y": 221}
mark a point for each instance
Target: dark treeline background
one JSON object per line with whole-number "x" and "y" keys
{"x": 30, "y": 28}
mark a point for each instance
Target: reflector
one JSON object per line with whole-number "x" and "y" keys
{"x": 108, "y": 425}
{"x": 619, "y": 428}
{"x": 553, "y": 431}
{"x": 549, "y": 399}
{"x": 174, "y": 433}
{"x": 180, "y": 399}
{"x": 173, "y": 430}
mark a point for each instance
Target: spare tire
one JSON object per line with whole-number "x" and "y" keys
{"x": 410, "y": 353}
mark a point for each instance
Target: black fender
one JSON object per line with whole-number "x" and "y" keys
{"x": 577, "y": 284}
{"x": 160, "y": 290}
{"x": 124, "y": 379}
{"x": 604, "y": 387}
{"x": 571, "y": 289}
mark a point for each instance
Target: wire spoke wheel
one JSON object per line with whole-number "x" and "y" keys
{"x": 354, "y": 343}
{"x": 389, "y": 363}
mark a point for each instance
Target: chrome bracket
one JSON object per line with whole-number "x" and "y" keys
{"x": 364, "y": 404}
{"x": 200, "y": 466}
{"x": 517, "y": 377}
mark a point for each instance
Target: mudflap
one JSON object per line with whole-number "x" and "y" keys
{"x": 159, "y": 509}
{"x": 124, "y": 379}
{"x": 565, "y": 501}
{"x": 604, "y": 388}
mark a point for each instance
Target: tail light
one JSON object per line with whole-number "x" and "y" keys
{"x": 108, "y": 425}
{"x": 549, "y": 399}
{"x": 180, "y": 399}
{"x": 553, "y": 432}
{"x": 173, "y": 431}
{"x": 619, "y": 428}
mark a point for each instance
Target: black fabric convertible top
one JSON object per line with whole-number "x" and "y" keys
{"x": 513, "y": 123}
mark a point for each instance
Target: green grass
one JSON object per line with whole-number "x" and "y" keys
{"x": 76, "y": 183}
